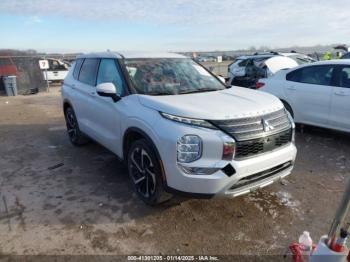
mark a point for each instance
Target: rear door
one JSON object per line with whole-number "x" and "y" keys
{"x": 340, "y": 106}
{"x": 70, "y": 84}
{"x": 237, "y": 68}
{"x": 84, "y": 90}
{"x": 309, "y": 91}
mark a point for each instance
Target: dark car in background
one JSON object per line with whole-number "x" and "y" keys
{"x": 346, "y": 56}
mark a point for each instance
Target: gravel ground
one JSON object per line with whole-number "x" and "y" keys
{"x": 59, "y": 199}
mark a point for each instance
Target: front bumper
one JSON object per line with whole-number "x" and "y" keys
{"x": 250, "y": 174}
{"x": 218, "y": 184}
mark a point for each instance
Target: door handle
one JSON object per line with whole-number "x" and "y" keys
{"x": 291, "y": 88}
{"x": 73, "y": 86}
{"x": 341, "y": 93}
{"x": 92, "y": 93}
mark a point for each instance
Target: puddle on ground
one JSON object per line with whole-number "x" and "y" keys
{"x": 271, "y": 203}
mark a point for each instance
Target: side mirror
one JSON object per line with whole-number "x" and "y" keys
{"x": 108, "y": 90}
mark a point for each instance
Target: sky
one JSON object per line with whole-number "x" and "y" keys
{"x": 171, "y": 25}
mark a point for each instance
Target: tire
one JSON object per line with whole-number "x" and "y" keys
{"x": 289, "y": 108}
{"x": 145, "y": 173}
{"x": 76, "y": 137}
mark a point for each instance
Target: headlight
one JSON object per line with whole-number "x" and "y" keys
{"x": 188, "y": 121}
{"x": 189, "y": 148}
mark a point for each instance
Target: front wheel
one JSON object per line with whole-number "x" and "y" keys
{"x": 76, "y": 137}
{"x": 145, "y": 173}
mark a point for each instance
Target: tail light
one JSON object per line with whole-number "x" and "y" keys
{"x": 259, "y": 85}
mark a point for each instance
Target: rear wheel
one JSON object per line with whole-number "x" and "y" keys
{"x": 76, "y": 137}
{"x": 145, "y": 173}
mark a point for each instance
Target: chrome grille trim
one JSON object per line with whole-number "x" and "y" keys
{"x": 248, "y": 128}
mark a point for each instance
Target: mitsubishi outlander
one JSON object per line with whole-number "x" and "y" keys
{"x": 178, "y": 128}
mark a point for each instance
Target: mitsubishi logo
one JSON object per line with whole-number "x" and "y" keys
{"x": 266, "y": 125}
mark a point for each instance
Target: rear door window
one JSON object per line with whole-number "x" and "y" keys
{"x": 342, "y": 78}
{"x": 316, "y": 75}
{"x": 243, "y": 63}
{"x": 88, "y": 71}
{"x": 294, "y": 75}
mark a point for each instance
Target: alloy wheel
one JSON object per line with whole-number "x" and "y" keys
{"x": 142, "y": 172}
{"x": 71, "y": 125}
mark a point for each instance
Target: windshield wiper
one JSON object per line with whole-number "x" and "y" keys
{"x": 159, "y": 94}
{"x": 199, "y": 91}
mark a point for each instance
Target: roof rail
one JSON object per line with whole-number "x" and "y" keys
{"x": 266, "y": 53}
{"x": 109, "y": 51}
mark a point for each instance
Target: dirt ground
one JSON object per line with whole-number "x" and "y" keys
{"x": 59, "y": 199}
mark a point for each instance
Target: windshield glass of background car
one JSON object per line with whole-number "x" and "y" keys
{"x": 170, "y": 76}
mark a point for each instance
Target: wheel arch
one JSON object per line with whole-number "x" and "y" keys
{"x": 135, "y": 133}
{"x": 286, "y": 103}
{"x": 66, "y": 104}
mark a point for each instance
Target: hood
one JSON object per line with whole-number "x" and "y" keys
{"x": 235, "y": 102}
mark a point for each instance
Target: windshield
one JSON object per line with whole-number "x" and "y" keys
{"x": 170, "y": 76}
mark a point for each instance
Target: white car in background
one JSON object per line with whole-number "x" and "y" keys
{"x": 316, "y": 94}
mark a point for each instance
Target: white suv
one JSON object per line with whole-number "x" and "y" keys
{"x": 178, "y": 128}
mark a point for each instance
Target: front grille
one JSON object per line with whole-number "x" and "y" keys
{"x": 261, "y": 175}
{"x": 258, "y": 135}
{"x": 248, "y": 128}
{"x": 262, "y": 145}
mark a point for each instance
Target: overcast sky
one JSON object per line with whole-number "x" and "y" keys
{"x": 177, "y": 25}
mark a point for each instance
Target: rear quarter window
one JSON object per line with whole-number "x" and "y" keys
{"x": 77, "y": 67}
{"x": 294, "y": 76}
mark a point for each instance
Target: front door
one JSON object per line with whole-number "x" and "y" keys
{"x": 105, "y": 112}
{"x": 309, "y": 91}
{"x": 340, "y": 106}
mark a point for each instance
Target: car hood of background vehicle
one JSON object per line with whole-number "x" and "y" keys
{"x": 235, "y": 102}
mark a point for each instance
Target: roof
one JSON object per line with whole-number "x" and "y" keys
{"x": 291, "y": 54}
{"x": 332, "y": 62}
{"x": 324, "y": 62}
{"x": 256, "y": 56}
{"x": 131, "y": 55}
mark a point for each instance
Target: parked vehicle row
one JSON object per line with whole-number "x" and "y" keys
{"x": 179, "y": 129}
{"x": 346, "y": 56}
{"x": 246, "y": 70}
{"x": 316, "y": 94}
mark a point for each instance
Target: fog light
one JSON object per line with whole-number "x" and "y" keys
{"x": 198, "y": 170}
{"x": 189, "y": 148}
